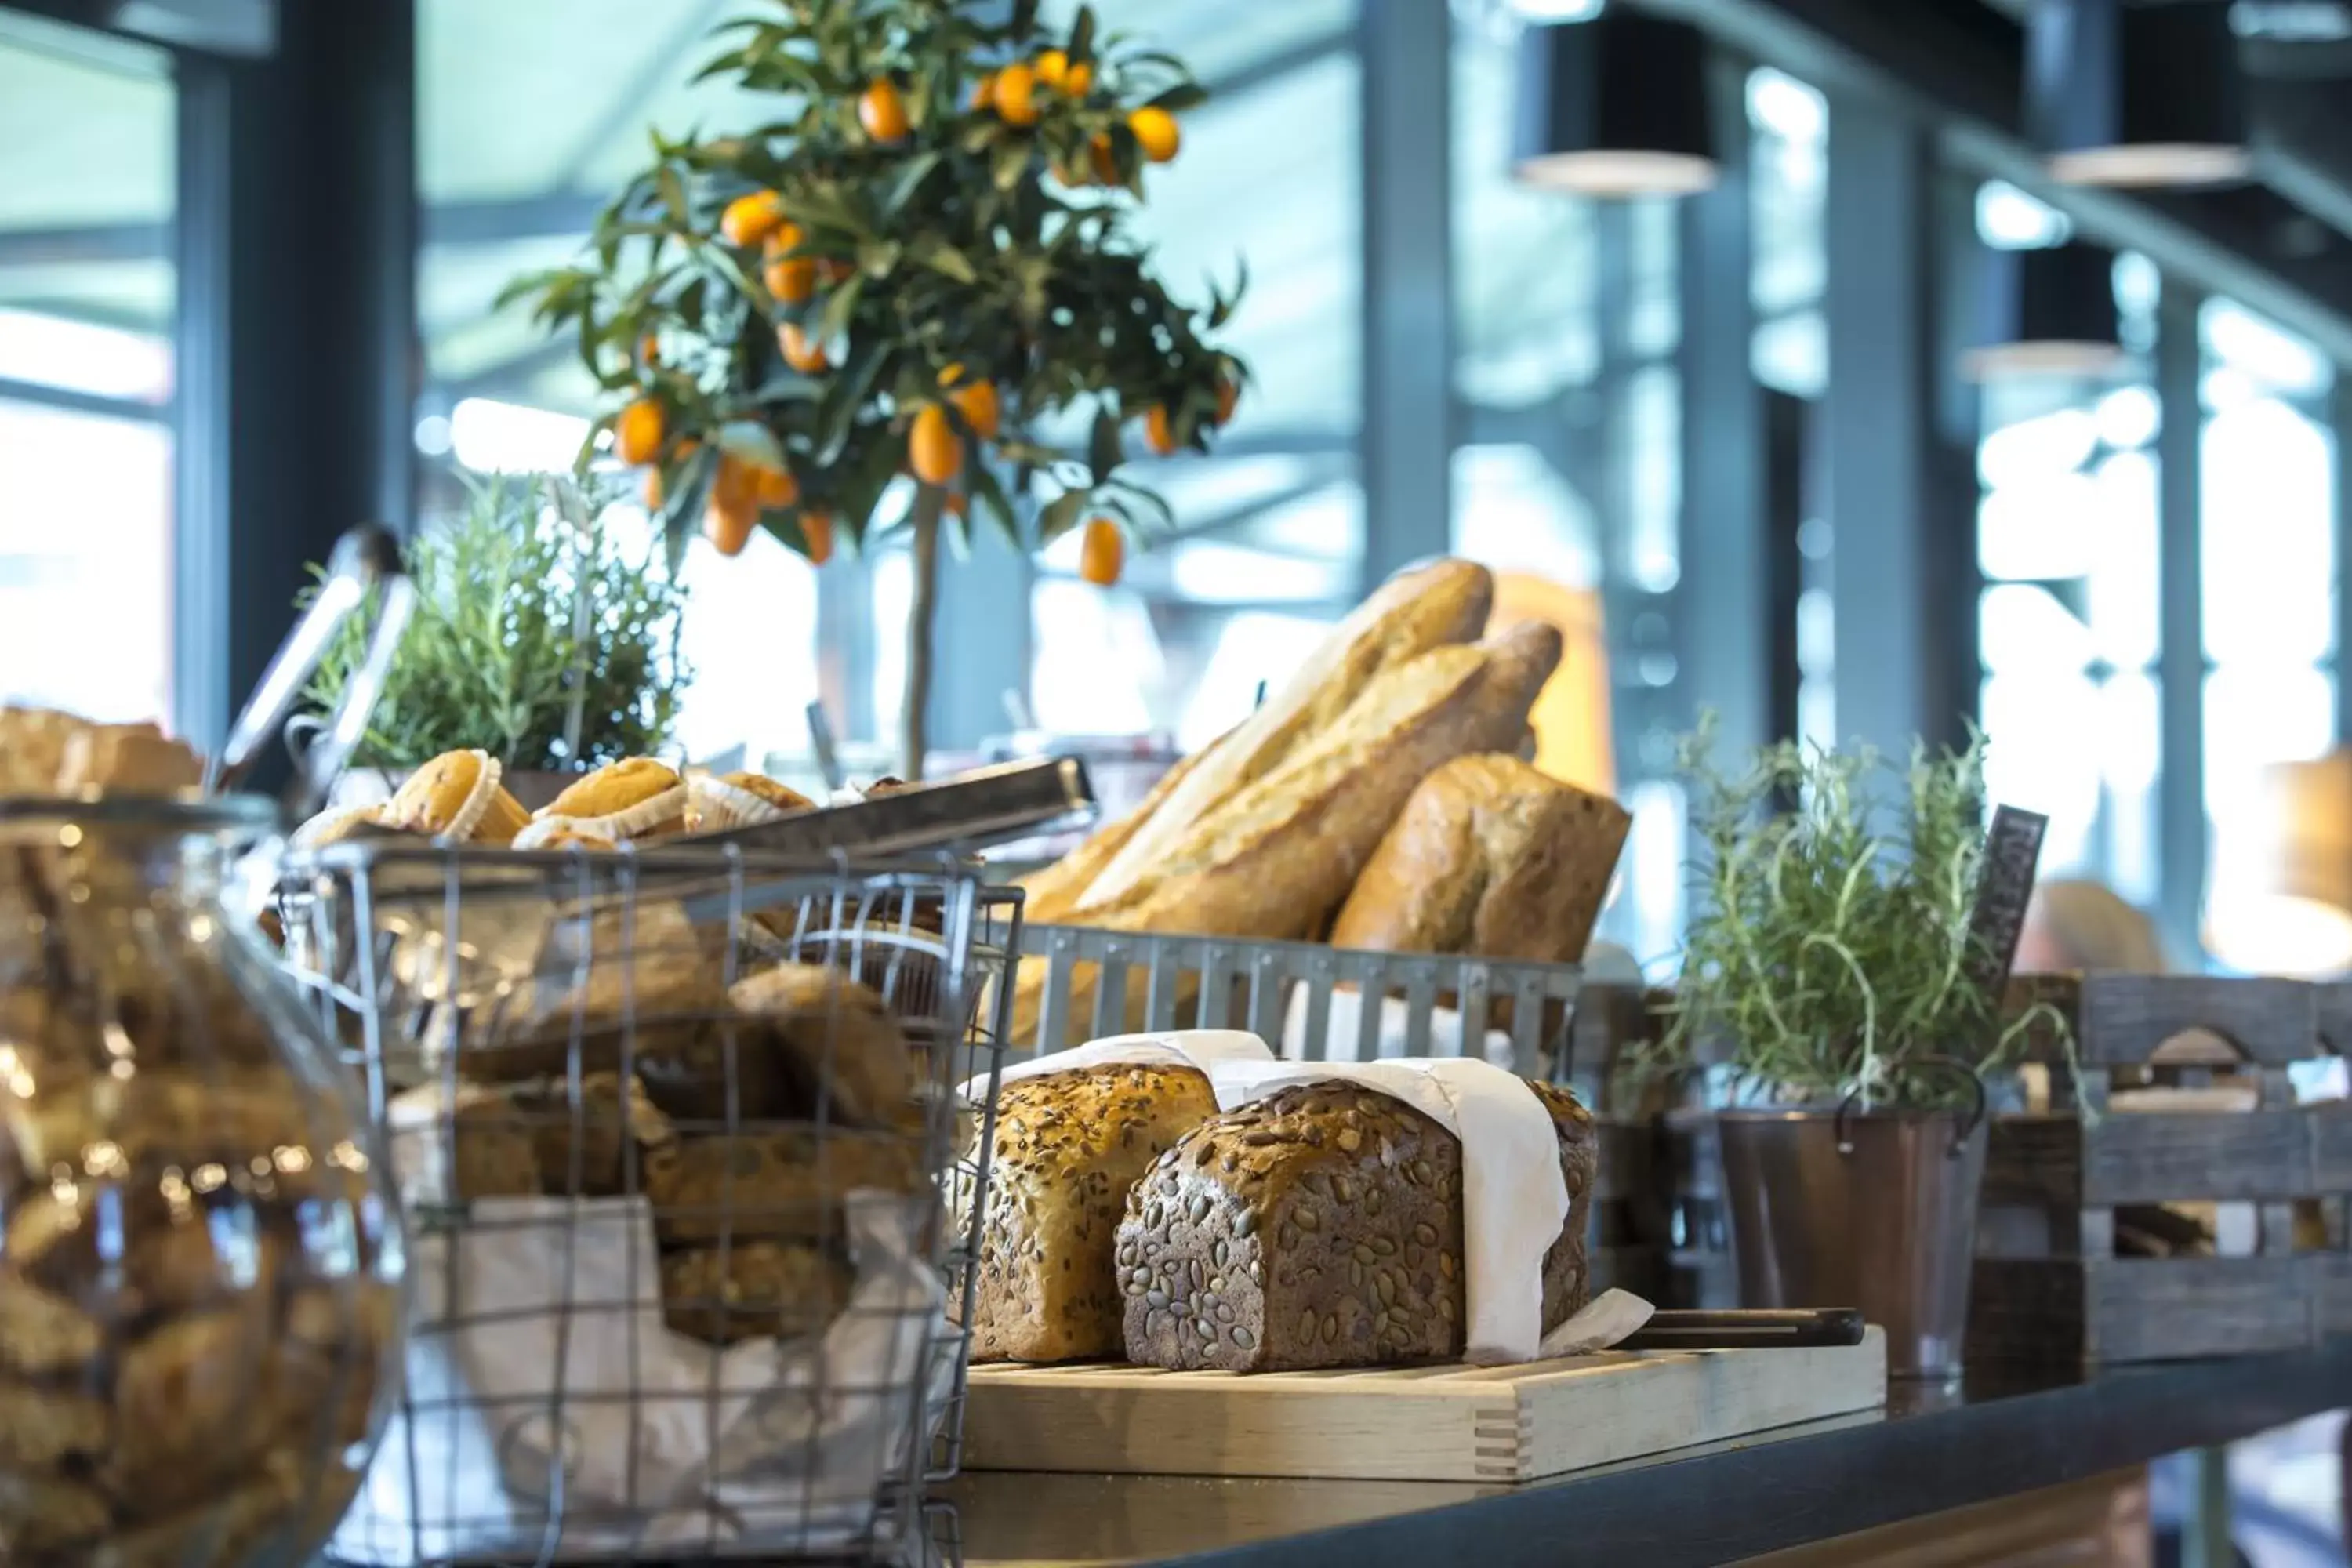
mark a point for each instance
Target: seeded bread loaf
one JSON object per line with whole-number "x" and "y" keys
{"x": 1068, "y": 1147}
{"x": 1320, "y": 1226}
{"x": 1491, "y": 858}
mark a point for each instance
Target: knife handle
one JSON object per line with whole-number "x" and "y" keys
{"x": 1727, "y": 1330}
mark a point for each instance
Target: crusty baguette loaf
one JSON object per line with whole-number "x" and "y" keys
{"x": 1432, "y": 606}
{"x": 1322, "y": 1226}
{"x": 1054, "y": 893}
{"x": 1068, "y": 1147}
{"x": 1277, "y": 858}
{"x": 1492, "y": 857}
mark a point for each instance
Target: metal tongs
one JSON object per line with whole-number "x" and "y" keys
{"x": 365, "y": 559}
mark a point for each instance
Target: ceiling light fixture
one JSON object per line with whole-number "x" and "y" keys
{"x": 1616, "y": 105}
{"x": 2047, "y": 312}
{"x": 2137, "y": 96}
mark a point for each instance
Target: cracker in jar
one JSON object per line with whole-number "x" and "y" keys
{"x": 269, "y": 1518}
{"x": 41, "y": 1514}
{"x": 185, "y": 1408}
{"x": 104, "y": 1128}
{"x": 44, "y": 1335}
{"x": 786, "y": 1185}
{"x": 42, "y": 1427}
{"x": 759, "y": 1289}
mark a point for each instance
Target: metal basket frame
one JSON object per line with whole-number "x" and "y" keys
{"x": 1248, "y": 982}
{"x": 357, "y": 914}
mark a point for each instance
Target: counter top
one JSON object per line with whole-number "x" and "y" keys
{"x": 1930, "y": 1449}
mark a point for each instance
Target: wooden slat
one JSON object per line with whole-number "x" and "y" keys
{"x": 2124, "y": 1018}
{"x": 1462, "y": 1424}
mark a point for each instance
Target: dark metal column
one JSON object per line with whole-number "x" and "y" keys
{"x": 1407, "y": 442}
{"x": 1728, "y": 632}
{"x": 2339, "y": 421}
{"x": 2181, "y": 651}
{"x": 299, "y": 358}
{"x": 1901, "y": 607}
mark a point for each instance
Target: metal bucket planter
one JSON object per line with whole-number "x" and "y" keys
{"x": 1868, "y": 1209}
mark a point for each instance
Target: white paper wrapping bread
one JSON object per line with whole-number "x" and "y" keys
{"x": 1513, "y": 1199}
{"x": 1199, "y": 1048}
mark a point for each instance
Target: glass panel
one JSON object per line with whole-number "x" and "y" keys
{"x": 1524, "y": 260}
{"x": 2023, "y": 628}
{"x": 530, "y": 115}
{"x": 85, "y": 566}
{"x": 2258, "y": 714}
{"x": 2130, "y": 726}
{"x": 2269, "y": 534}
{"x": 87, "y": 299}
{"x": 2039, "y": 757}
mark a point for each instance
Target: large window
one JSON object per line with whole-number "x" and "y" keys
{"x": 530, "y": 113}
{"x": 85, "y": 371}
{"x": 2268, "y": 569}
{"x": 1270, "y": 530}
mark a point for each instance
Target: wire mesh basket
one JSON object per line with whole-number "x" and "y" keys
{"x": 688, "y": 1179}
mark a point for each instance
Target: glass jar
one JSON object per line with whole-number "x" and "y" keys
{"x": 199, "y": 1271}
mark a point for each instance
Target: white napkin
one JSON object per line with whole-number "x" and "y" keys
{"x": 1514, "y": 1201}
{"x": 543, "y": 1382}
{"x": 1609, "y": 1318}
{"x": 1388, "y": 1039}
{"x": 1200, "y": 1048}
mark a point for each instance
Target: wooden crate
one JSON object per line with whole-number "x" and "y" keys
{"x": 1501, "y": 1424}
{"x": 2050, "y": 1284}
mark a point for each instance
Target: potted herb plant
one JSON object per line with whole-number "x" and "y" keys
{"x": 538, "y": 637}
{"x": 920, "y": 277}
{"x": 1832, "y": 959}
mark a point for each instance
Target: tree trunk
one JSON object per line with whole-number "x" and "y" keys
{"x": 914, "y": 729}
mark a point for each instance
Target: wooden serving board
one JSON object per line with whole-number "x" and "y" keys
{"x": 1424, "y": 1422}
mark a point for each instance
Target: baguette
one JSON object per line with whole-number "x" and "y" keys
{"x": 1052, "y": 894}
{"x": 1281, "y": 855}
{"x": 1278, "y": 859}
{"x": 1489, "y": 857}
{"x": 1412, "y": 613}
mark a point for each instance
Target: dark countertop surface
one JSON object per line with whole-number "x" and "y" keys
{"x": 1930, "y": 1449}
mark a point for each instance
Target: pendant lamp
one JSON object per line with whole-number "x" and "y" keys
{"x": 2049, "y": 312}
{"x": 1615, "y": 106}
{"x": 2136, "y": 95}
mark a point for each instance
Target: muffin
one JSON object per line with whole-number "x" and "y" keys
{"x": 717, "y": 801}
{"x": 637, "y": 798}
{"x": 457, "y": 796}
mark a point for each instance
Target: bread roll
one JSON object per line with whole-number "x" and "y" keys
{"x": 1322, "y": 1226}
{"x": 1068, "y": 1147}
{"x": 1430, "y": 607}
{"x": 1490, "y": 858}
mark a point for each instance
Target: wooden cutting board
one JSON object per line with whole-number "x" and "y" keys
{"x": 1427, "y": 1423}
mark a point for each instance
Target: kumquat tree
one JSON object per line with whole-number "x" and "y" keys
{"x": 922, "y": 268}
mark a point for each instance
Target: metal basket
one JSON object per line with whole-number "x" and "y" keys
{"x": 1079, "y": 982}
{"x": 685, "y": 1170}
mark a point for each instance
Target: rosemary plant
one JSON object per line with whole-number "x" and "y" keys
{"x": 1830, "y": 944}
{"x": 538, "y": 638}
